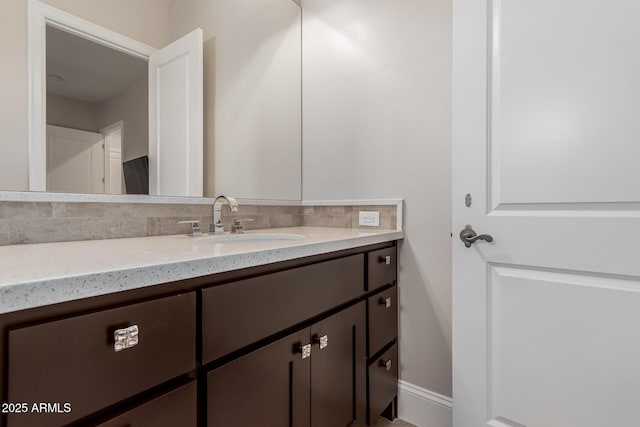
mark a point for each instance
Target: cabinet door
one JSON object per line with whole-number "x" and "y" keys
{"x": 268, "y": 387}
{"x": 338, "y": 369}
{"x": 176, "y": 408}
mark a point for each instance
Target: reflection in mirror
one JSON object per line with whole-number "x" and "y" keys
{"x": 68, "y": 160}
{"x": 97, "y": 116}
{"x": 94, "y": 90}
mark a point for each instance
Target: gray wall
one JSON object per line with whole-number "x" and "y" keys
{"x": 132, "y": 107}
{"x": 71, "y": 113}
{"x": 129, "y": 106}
{"x": 376, "y": 123}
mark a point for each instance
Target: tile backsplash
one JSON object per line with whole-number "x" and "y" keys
{"x": 347, "y": 216}
{"x": 43, "y": 222}
{"x": 262, "y": 216}
{"x": 40, "y": 222}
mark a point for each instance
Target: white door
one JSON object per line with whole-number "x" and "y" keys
{"x": 113, "y": 184}
{"x": 75, "y": 160}
{"x": 113, "y": 158}
{"x": 175, "y": 118}
{"x": 546, "y": 134}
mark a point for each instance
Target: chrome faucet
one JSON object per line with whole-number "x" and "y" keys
{"x": 216, "y": 226}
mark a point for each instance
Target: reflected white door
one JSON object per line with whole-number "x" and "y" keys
{"x": 546, "y": 134}
{"x": 175, "y": 118}
{"x": 113, "y": 158}
{"x": 75, "y": 160}
{"x": 114, "y": 163}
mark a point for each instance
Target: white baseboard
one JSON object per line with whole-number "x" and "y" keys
{"x": 423, "y": 407}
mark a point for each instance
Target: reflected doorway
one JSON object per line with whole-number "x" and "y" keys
{"x": 80, "y": 161}
{"x": 93, "y": 89}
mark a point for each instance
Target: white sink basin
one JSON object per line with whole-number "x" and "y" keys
{"x": 251, "y": 237}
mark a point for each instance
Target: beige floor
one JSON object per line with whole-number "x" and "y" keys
{"x": 397, "y": 423}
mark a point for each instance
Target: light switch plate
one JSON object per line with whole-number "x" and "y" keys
{"x": 369, "y": 219}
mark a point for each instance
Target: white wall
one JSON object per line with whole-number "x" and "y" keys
{"x": 254, "y": 80}
{"x": 144, "y": 20}
{"x": 132, "y": 107}
{"x": 71, "y": 113}
{"x": 376, "y": 102}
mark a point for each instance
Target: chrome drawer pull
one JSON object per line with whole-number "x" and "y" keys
{"x": 386, "y": 302}
{"x": 387, "y": 365}
{"x": 125, "y": 338}
{"x": 305, "y": 350}
{"x": 322, "y": 341}
{"x": 386, "y": 259}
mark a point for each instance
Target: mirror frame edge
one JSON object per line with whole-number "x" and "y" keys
{"x": 48, "y": 197}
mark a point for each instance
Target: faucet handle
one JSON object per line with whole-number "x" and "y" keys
{"x": 195, "y": 229}
{"x": 238, "y": 221}
{"x": 237, "y": 226}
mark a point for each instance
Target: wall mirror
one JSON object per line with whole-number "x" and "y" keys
{"x": 170, "y": 97}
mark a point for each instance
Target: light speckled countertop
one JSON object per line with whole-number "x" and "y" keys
{"x": 49, "y": 273}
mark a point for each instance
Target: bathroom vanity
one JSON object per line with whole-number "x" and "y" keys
{"x": 284, "y": 333}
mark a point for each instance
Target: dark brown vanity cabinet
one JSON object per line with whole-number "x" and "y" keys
{"x": 240, "y": 313}
{"x": 313, "y": 377}
{"x": 338, "y": 369}
{"x": 310, "y": 342}
{"x": 382, "y": 311}
{"x": 267, "y": 387}
{"x": 383, "y": 383}
{"x": 75, "y": 360}
{"x": 175, "y": 408}
{"x": 381, "y": 268}
{"x": 382, "y": 347}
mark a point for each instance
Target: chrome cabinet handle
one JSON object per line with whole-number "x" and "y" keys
{"x": 304, "y": 350}
{"x": 385, "y": 259}
{"x": 386, "y": 302}
{"x": 469, "y": 236}
{"x": 386, "y": 364}
{"x": 125, "y": 338}
{"x": 322, "y": 341}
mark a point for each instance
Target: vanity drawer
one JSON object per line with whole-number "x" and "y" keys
{"x": 381, "y": 268}
{"x": 176, "y": 408}
{"x": 237, "y": 314}
{"x": 74, "y": 360}
{"x": 383, "y": 382}
{"x": 382, "y": 310}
